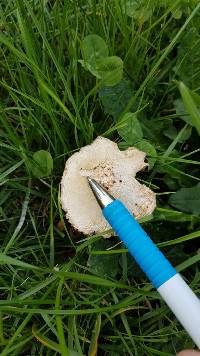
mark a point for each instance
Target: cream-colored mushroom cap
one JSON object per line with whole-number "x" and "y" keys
{"x": 115, "y": 170}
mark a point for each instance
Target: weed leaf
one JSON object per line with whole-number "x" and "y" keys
{"x": 93, "y": 47}
{"x": 131, "y": 131}
{"x": 187, "y": 200}
{"x": 150, "y": 151}
{"x": 96, "y": 60}
{"x": 42, "y": 164}
{"x": 114, "y": 99}
{"x": 110, "y": 70}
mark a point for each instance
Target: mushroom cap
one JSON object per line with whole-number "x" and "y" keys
{"x": 115, "y": 170}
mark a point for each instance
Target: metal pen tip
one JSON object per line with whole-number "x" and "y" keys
{"x": 102, "y": 196}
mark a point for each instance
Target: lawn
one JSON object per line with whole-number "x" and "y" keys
{"x": 71, "y": 71}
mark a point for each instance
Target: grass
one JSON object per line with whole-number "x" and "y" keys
{"x": 62, "y": 293}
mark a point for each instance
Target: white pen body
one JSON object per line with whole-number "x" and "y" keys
{"x": 184, "y": 304}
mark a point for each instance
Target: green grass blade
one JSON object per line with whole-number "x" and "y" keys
{"x": 21, "y": 221}
{"x": 166, "y": 52}
{"x": 60, "y": 331}
{"x": 10, "y": 170}
{"x": 95, "y": 335}
{"x": 7, "y": 260}
{"x": 190, "y": 105}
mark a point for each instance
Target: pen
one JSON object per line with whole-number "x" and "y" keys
{"x": 174, "y": 290}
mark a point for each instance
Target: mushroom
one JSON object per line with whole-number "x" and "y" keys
{"x": 116, "y": 171}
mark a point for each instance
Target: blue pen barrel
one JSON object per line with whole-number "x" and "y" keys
{"x": 171, "y": 286}
{"x": 141, "y": 247}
